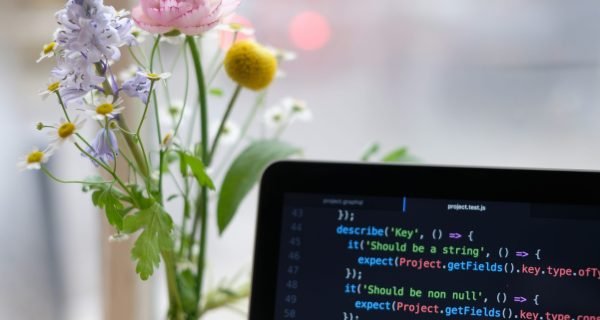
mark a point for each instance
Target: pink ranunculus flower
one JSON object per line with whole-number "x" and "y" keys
{"x": 191, "y": 17}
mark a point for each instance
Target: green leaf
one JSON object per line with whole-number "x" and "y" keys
{"x": 245, "y": 172}
{"x": 187, "y": 289}
{"x": 217, "y": 92}
{"x": 395, "y": 155}
{"x": 137, "y": 197}
{"x": 372, "y": 150}
{"x": 157, "y": 226}
{"x": 107, "y": 198}
{"x": 198, "y": 170}
{"x": 400, "y": 155}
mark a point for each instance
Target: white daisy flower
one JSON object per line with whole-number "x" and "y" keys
{"x": 275, "y": 117}
{"x": 167, "y": 140}
{"x": 296, "y": 109}
{"x": 175, "y": 40}
{"x": 139, "y": 34}
{"x": 65, "y": 131}
{"x": 128, "y": 73}
{"x": 234, "y": 27}
{"x": 48, "y": 51}
{"x": 169, "y": 116}
{"x": 105, "y": 108}
{"x": 155, "y": 76}
{"x": 282, "y": 55}
{"x": 35, "y": 159}
{"x": 52, "y": 87}
{"x": 229, "y": 134}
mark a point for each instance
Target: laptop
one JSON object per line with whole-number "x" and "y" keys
{"x": 362, "y": 241}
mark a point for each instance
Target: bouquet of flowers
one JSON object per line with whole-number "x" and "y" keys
{"x": 163, "y": 140}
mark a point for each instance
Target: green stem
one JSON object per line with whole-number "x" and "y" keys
{"x": 202, "y": 207}
{"x": 176, "y": 311}
{"x": 62, "y": 105}
{"x": 105, "y": 167}
{"x": 202, "y": 216}
{"x": 140, "y": 158}
{"x": 146, "y": 106}
{"x": 161, "y": 152}
{"x": 185, "y": 95}
{"x": 202, "y": 96}
{"x": 220, "y": 66}
{"x": 134, "y": 56}
{"x": 232, "y": 101}
{"x": 53, "y": 177}
{"x": 161, "y": 158}
{"x": 154, "y": 48}
{"x": 260, "y": 100}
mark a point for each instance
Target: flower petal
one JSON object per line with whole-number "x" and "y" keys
{"x": 165, "y": 15}
{"x": 147, "y": 24}
{"x": 202, "y": 18}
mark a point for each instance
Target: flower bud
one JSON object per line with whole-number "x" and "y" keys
{"x": 250, "y": 65}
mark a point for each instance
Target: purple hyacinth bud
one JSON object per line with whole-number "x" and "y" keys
{"x": 104, "y": 146}
{"x": 138, "y": 86}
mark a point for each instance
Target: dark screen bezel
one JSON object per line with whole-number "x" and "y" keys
{"x": 483, "y": 184}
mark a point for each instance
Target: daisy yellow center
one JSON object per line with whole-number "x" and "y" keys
{"x": 153, "y": 76}
{"x": 35, "y": 157}
{"x": 53, "y": 86}
{"x": 65, "y": 130}
{"x": 236, "y": 26}
{"x": 174, "y": 111}
{"x": 167, "y": 139}
{"x": 49, "y": 47}
{"x": 105, "y": 108}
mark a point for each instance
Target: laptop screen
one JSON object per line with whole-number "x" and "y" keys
{"x": 353, "y": 257}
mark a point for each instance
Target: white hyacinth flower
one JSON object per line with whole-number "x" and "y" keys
{"x": 77, "y": 78}
{"x": 94, "y": 30}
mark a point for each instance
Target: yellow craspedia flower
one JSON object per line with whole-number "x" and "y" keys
{"x": 250, "y": 65}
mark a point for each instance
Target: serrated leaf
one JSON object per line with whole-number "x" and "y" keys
{"x": 157, "y": 226}
{"x": 199, "y": 171}
{"x": 107, "y": 198}
{"x": 137, "y": 198}
{"x": 243, "y": 174}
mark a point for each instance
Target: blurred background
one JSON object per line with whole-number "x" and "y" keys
{"x": 467, "y": 82}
